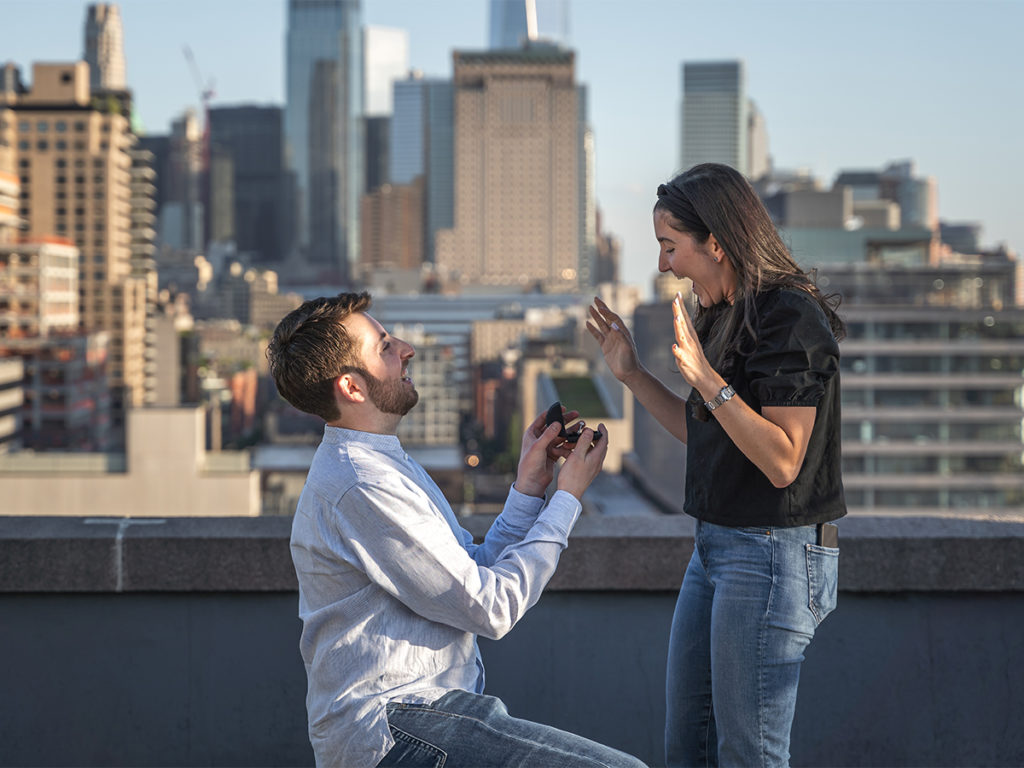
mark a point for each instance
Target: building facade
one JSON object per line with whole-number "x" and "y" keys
{"x": 323, "y": 129}
{"x": 715, "y": 118}
{"x": 422, "y": 144}
{"x": 520, "y": 171}
{"x": 75, "y": 166}
{"x": 12, "y": 395}
{"x": 104, "y": 47}
{"x": 252, "y": 138}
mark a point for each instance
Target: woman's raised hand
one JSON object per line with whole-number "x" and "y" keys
{"x": 617, "y": 344}
{"x": 687, "y": 350}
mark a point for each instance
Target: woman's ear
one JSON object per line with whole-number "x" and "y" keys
{"x": 717, "y": 252}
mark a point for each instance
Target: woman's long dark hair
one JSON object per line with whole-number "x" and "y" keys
{"x": 714, "y": 198}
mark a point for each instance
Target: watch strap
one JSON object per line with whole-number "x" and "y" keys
{"x": 725, "y": 394}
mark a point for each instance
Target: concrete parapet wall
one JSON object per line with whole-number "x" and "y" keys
{"x": 175, "y": 642}
{"x": 631, "y": 554}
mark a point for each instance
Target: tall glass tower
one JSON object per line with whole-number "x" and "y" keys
{"x": 323, "y": 130}
{"x": 715, "y": 119}
{"x": 514, "y": 22}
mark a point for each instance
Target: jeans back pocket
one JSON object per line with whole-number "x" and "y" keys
{"x": 822, "y": 580}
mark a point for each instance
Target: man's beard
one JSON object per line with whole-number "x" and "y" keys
{"x": 391, "y": 395}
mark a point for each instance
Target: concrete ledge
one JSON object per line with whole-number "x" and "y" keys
{"x": 635, "y": 554}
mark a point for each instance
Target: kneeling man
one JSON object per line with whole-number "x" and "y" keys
{"x": 392, "y": 591}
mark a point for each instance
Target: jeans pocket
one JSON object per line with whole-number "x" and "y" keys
{"x": 412, "y": 752}
{"x": 822, "y": 580}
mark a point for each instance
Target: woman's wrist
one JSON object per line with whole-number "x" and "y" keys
{"x": 711, "y": 386}
{"x": 634, "y": 377}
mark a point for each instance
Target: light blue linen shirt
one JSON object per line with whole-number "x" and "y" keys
{"x": 393, "y": 591}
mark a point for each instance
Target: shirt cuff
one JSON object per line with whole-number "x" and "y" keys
{"x": 520, "y": 502}
{"x": 561, "y": 514}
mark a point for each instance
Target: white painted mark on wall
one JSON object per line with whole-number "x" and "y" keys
{"x": 122, "y": 526}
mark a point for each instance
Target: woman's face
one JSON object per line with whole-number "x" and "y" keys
{"x": 703, "y": 263}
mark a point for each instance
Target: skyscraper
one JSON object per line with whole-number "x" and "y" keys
{"x": 323, "y": 129}
{"x": 514, "y": 22}
{"x": 385, "y": 60}
{"x": 104, "y": 47}
{"x": 759, "y": 161}
{"x": 520, "y": 182}
{"x": 77, "y": 183}
{"x": 251, "y": 136}
{"x": 422, "y": 145}
{"x": 715, "y": 118}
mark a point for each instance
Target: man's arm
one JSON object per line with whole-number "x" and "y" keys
{"x": 404, "y": 544}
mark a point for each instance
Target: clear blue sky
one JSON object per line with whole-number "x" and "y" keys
{"x": 841, "y": 83}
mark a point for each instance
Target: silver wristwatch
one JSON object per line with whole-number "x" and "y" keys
{"x": 725, "y": 394}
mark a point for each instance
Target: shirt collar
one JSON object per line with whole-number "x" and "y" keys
{"x": 342, "y": 436}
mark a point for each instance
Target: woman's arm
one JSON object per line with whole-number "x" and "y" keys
{"x": 619, "y": 351}
{"x": 775, "y": 440}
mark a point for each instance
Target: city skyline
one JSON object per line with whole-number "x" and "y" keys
{"x": 841, "y": 85}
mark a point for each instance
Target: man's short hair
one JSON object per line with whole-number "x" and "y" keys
{"x": 311, "y": 348}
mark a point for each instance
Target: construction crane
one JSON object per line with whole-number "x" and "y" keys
{"x": 206, "y": 93}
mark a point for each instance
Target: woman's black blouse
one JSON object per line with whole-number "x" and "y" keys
{"x": 795, "y": 362}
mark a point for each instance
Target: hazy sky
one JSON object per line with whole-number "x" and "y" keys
{"x": 841, "y": 83}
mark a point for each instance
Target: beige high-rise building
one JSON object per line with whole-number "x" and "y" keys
{"x": 74, "y": 155}
{"x": 520, "y": 191}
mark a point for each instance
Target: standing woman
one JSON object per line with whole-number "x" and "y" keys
{"x": 761, "y": 428}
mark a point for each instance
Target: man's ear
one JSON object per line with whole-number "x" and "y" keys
{"x": 351, "y": 388}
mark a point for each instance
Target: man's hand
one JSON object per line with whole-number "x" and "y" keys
{"x": 584, "y": 463}
{"x": 542, "y": 447}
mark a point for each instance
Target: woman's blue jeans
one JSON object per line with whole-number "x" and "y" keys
{"x": 750, "y": 603}
{"x": 463, "y": 729}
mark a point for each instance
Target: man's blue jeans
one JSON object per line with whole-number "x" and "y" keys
{"x": 466, "y": 729}
{"x": 750, "y": 603}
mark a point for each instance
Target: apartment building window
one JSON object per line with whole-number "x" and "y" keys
{"x": 61, "y": 144}
{"x": 42, "y": 126}
{"x": 80, "y": 126}
{"x": 23, "y": 163}
{"x": 24, "y": 145}
{"x": 24, "y": 126}
{"x": 61, "y": 126}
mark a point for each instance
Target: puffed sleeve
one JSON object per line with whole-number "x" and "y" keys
{"x": 796, "y": 352}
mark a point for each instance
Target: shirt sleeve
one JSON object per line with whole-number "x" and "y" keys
{"x": 796, "y": 353}
{"x": 404, "y": 545}
{"x": 509, "y": 527}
